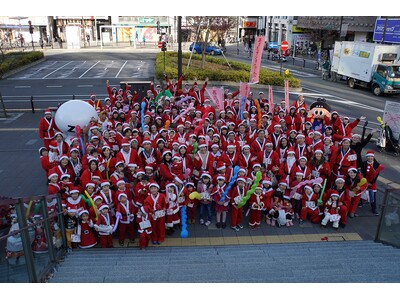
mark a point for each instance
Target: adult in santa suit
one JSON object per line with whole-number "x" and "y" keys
{"x": 64, "y": 167}
{"x": 127, "y": 154}
{"x": 125, "y": 211}
{"x": 309, "y": 206}
{"x": 300, "y": 103}
{"x": 330, "y": 151}
{"x": 345, "y": 159}
{"x": 154, "y": 206}
{"x": 46, "y": 128}
{"x": 317, "y": 142}
{"x": 269, "y": 158}
{"x": 147, "y": 156}
{"x": 258, "y": 145}
{"x": 301, "y": 147}
{"x": 53, "y": 186}
{"x": 344, "y": 198}
{"x": 356, "y": 184}
{"x": 174, "y": 86}
{"x": 288, "y": 167}
{"x": 370, "y": 169}
{"x": 256, "y": 205}
{"x": 165, "y": 169}
{"x": 197, "y": 93}
{"x": 300, "y": 120}
{"x": 59, "y": 143}
{"x": 290, "y": 118}
{"x": 93, "y": 170}
{"x": 203, "y": 161}
{"x": 187, "y": 162}
{"x": 276, "y": 135}
{"x": 303, "y": 167}
{"x": 245, "y": 159}
{"x": 319, "y": 166}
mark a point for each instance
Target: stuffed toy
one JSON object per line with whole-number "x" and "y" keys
{"x": 319, "y": 114}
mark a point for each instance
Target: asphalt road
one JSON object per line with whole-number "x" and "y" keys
{"x": 69, "y": 73}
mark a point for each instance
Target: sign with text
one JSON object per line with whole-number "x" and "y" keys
{"x": 249, "y": 24}
{"x": 217, "y": 96}
{"x": 391, "y": 30}
{"x": 256, "y": 61}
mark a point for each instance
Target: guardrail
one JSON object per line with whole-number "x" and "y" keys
{"x": 35, "y": 241}
{"x": 388, "y": 231}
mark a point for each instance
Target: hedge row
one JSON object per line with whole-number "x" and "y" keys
{"x": 14, "y": 60}
{"x": 217, "y": 70}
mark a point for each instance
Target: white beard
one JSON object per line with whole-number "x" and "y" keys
{"x": 290, "y": 161}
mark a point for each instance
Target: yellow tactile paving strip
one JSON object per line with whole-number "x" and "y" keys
{"x": 250, "y": 240}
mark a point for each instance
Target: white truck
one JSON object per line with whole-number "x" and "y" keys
{"x": 370, "y": 65}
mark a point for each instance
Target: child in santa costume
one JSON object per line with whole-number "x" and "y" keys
{"x": 172, "y": 214}
{"x": 85, "y": 231}
{"x": 204, "y": 187}
{"x": 236, "y": 195}
{"x": 71, "y": 223}
{"x": 154, "y": 206}
{"x": 126, "y": 214}
{"x": 192, "y": 203}
{"x": 74, "y": 201}
{"x": 309, "y": 206}
{"x": 104, "y": 226}
{"x": 53, "y": 186}
{"x": 94, "y": 211}
{"x": 371, "y": 169}
{"x": 221, "y": 208}
{"x": 331, "y": 211}
{"x": 288, "y": 210}
{"x": 274, "y": 211}
{"x": 256, "y": 205}
{"x": 45, "y": 161}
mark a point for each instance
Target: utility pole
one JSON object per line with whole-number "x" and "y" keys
{"x": 179, "y": 46}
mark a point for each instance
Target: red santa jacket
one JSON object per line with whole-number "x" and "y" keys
{"x": 46, "y": 128}
{"x": 236, "y": 195}
{"x": 127, "y": 212}
{"x": 152, "y": 204}
{"x": 344, "y": 160}
{"x": 270, "y": 160}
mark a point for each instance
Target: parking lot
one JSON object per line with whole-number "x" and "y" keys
{"x": 90, "y": 69}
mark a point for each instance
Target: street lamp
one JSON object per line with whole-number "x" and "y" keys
{"x": 31, "y": 32}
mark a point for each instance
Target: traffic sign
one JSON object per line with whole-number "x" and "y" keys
{"x": 159, "y": 45}
{"x": 284, "y": 45}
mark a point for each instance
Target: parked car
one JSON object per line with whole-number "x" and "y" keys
{"x": 210, "y": 49}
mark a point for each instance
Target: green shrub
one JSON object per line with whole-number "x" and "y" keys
{"x": 217, "y": 69}
{"x": 14, "y": 60}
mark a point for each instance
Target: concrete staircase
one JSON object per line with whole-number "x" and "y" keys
{"x": 354, "y": 261}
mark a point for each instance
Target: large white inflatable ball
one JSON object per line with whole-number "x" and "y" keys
{"x": 72, "y": 113}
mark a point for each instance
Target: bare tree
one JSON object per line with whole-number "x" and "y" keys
{"x": 210, "y": 28}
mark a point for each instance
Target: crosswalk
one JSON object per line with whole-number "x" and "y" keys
{"x": 292, "y": 71}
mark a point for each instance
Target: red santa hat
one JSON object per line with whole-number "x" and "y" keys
{"x": 104, "y": 183}
{"x": 105, "y": 147}
{"x": 346, "y": 138}
{"x": 47, "y": 111}
{"x": 58, "y": 133}
{"x": 283, "y": 182}
{"x": 65, "y": 176}
{"x": 318, "y": 151}
{"x": 221, "y": 177}
{"x": 352, "y": 170}
{"x": 104, "y": 206}
{"x": 83, "y": 212}
{"x": 231, "y": 145}
{"x": 71, "y": 210}
{"x": 300, "y": 174}
{"x": 177, "y": 156}
{"x": 335, "y": 195}
{"x": 98, "y": 197}
{"x": 148, "y": 167}
{"x": 259, "y": 187}
{"x": 180, "y": 179}
{"x": 221, "y": 165}
{"x": 206, "y": 174}
{"x": 202, "y": 144}
{"x": 291, "y": 150}
{"x": 121, "y": 181}
{"x": 256, "y": 165}
{"x": 122, "y": 195}
{"x": 182, "y": 146}
{"x": 299, "y": 135}
{"x": 339, "y": 179}
{"x": 154, "y": 184}
{"x": 308, "y": 187}
{"x": 125, "y": 142}
{"x": 190, "y": 183}
{"x": 241, "y": 178}
{"x": 64, "y": 156}
{"x": 303, "y": 157}
{"x": 53, "y": 145}
{"x": 74, "y": 189}
{"x": 370, "y": 153}
{"x": 90, "y": 184}
{"x": 317, "y": 132}
{"x": 52, "y": 174}
{"x": 146, "y": 141}
{"x": 166, "y": 151}
{"x": 266, "y": 180}
{"x": 132, "y": 165}
{"x": 120, "y": 162}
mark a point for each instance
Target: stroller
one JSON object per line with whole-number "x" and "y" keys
{"x": 386, "y": 140}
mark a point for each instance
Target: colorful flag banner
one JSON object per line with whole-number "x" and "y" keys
{"x": 256, "y": 60}
{"x": 287, "y": 95}
{"x": 271, "y": 99}
{"x": 217, "y": 96}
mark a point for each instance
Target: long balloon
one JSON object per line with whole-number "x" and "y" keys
{"x": 242, "y": 108}
{"x": 259, "y": 115}
{"x": 233, "y": 179}
{"x": 317, "y": 180}
{"x": 78, "y": 135}
{"x": 143, "y": 106}
{"x": 251, "y": 191}
{"x": 117, "y": 221}
{"x": 183, "y": 113}
{"x": 93, "y": 205}
{"x": 184, "y": 232}
{"x": 194, "y": 195}
{"x": 319, "y": 202}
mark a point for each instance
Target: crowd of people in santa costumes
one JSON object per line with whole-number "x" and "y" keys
{"x": 130, "y": 177}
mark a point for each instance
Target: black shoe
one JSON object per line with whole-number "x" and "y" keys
{"x": 121, "y": 244}
{"x": 218, "y": 225}
{"x": 223, "y": 225}
{"x": 360, "y": 204}
{"x": 342, "y": 225}
{"x": 375, "y": 212}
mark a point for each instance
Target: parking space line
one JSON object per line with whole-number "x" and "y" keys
{"x": 56, "y": 70}
{"x": 89, "y": 69}
{"x": 22, "y": 86}
{"x": 121, "y": 69}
